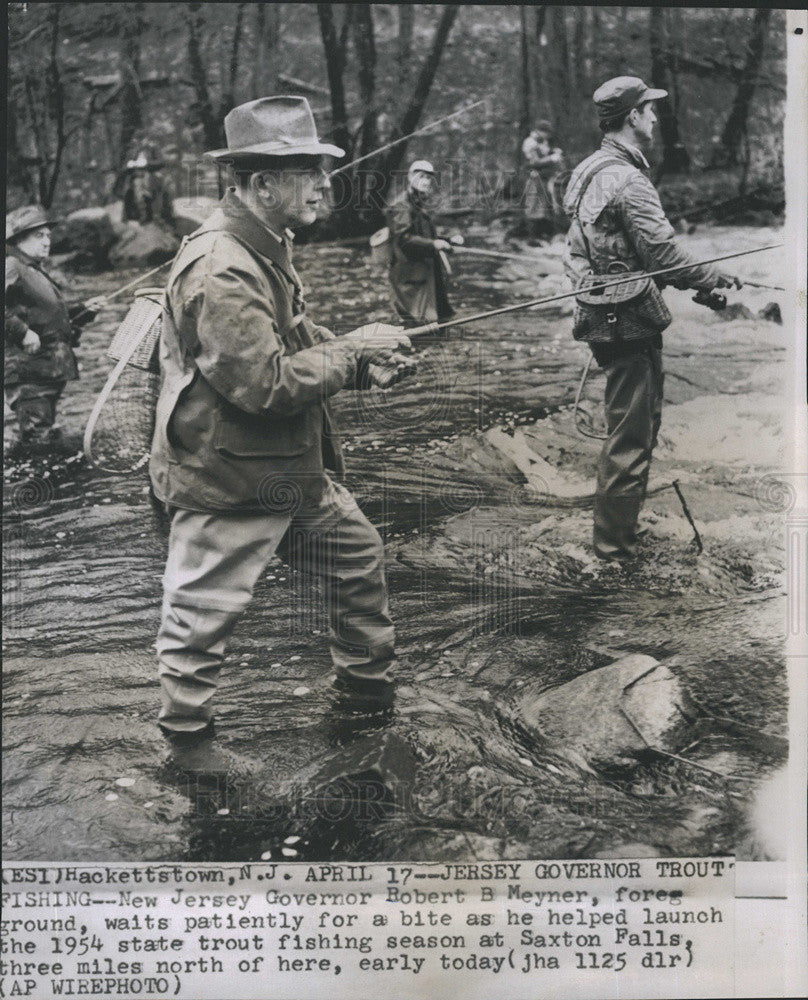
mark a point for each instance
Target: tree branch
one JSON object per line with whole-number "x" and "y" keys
{"x": 335, "y": 67}
{"x": 411, "y": 116}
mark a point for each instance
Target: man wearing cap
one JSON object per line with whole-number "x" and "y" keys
{"x": 146, "y": 196}
{"x": 41, "y": 329}
{"x": 417, "y": 269}
{"x": 618, "y": 225}
{"x": 245, "y": 448}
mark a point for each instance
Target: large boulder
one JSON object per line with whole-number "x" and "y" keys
{"x": 611, "y": 716}
{"x": 87, "y": 235}
{"x": 143, "y": 245}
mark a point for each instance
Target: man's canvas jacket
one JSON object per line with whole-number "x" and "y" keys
{"x": 242, "y": 420}
{"x": 620, "y": 218}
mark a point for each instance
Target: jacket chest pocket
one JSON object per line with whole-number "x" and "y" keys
{"x": 244, "y": 435}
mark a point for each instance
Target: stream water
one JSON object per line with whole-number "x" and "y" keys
{"x": 479, "y": 617}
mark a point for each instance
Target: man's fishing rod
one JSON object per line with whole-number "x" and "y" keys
{"x": 432, "y": 328}
{"x": 404, "y": 138}
{"x": 528, "y": 258}
{"x": 757, "y": 284}
{"x": 103, "y": 299}
{"x": 429, "y": 328}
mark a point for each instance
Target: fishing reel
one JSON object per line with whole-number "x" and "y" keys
{"x": 713, "y": 300}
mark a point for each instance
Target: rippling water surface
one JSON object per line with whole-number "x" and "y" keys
{"x": 84, "y": 554}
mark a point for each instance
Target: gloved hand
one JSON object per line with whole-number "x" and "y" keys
{"x": 31, "y": 342}
{"x": 376, "y": 343}
{"x": 457, "y": 240}
{"x": 728, "y": 281}
{"x": 444, "y": 245}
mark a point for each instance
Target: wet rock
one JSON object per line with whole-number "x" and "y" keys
{"x": 735, "y": 310}
{"x": 542, "y": 478}
{"x": 602, "y": 714}
{"x": 87, "y": 235}
{"x": 143, "y": 245}
{"x": 372, "y": 774}
{"x": 771, "y": 312}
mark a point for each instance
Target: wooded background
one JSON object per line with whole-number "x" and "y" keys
{"x": 90, "y": 84}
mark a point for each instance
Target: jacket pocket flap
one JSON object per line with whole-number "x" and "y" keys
{"x": 263, "y": 437}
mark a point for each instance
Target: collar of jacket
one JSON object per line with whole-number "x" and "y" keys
{"x": 626, "y": 152}
{"x": 237, "y": 219}
{"x": 32, "y": 262}
{"x": 416, "y": 199}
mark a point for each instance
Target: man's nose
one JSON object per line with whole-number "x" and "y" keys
{"x": 323, "y": 182}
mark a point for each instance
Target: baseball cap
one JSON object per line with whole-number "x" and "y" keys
{"x": 622, "y": 93}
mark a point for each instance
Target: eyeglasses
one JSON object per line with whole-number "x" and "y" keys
{"x": 318, "y": 172}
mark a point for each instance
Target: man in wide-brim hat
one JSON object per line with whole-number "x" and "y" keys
{"x": 146, "y": 196}
{"x": 41, "y": 329}
{"x": 246, "y": 456}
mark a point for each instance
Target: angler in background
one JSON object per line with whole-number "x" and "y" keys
{"x": 418, "y": 265}
{"x": 146, "y": 196}
{"x": 41, "y": 330}
{"x": 619, "y": 227}
{"x": 545, "y": 164}
{"x": 246, "y": 456}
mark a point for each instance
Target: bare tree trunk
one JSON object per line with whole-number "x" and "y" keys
{"x": 560, "y": 75}
{"x": 334, "y": 48}
{"x": 592, "y": 62}
{"x": 406, "y": 23}
{"x": 56, "y": 96}
{"x": 735, "y": 128}
{"x": 267, "y": 42}
{"x": 537, "y": 43}
{"x": 365, "y": 43}
{"x": 525, "y": 102}
{"x": 675, "y": 157}
{"x": 228, "y": 100}
{"x": 410, "y": 118}
{"x": 211, "y": 126}
{"x": 131, "y": 110}
{"x": 579, "y": 51}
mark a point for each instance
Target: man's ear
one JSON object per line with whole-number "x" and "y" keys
{"x": 264, "y": 188}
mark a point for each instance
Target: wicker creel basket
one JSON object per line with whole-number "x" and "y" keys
{"x": 119, "y": 432}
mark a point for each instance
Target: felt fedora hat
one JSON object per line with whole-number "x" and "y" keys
{"x": 272, "y": 126}
{"x": 143, "y": 162}
{"x": 26, "y": 220}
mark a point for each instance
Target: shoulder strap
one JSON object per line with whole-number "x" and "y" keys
{"x": 589, "y": 176}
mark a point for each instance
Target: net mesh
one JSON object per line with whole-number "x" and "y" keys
{"x": 119, "y": 433}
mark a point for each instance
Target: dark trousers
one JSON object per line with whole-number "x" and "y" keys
{"x": 35, "y": 408}
{"x": 633, "y": 401}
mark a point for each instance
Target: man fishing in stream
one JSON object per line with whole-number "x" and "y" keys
{"x": 619, "y": 227}
{"x": 246, "y": 456}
